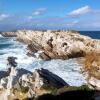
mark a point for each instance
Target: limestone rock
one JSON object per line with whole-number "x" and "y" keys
{"x": 58, "y": 44}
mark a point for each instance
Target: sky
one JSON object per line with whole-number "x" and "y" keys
{"x": 50, "y": 14}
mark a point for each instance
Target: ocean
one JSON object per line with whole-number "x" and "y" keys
{"x": 69, "y": 70}
{"x": 92, "y": 34}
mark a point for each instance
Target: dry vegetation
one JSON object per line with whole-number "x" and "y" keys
{"x": 92, "y": 64}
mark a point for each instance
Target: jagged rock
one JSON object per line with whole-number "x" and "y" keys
{"x": 28, "y": 82}
{"x": 15, "y": 79}
{"x": 58, "y": 44}
{"x": 71, "y": 95}
{"x": 51, "y": 79}
{"x": 11, "y": 61}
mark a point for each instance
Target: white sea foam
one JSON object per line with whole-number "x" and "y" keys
{"x": 69, "y": 70}
{"x": 1, "y": 35}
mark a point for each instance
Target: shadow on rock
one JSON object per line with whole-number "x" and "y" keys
{"x": 72, "y": 95}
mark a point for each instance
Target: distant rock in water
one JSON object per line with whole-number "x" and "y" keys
{"x": 9, "y": 34}
{"x": 57, "y": 44}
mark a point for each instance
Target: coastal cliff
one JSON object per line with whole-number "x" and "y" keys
{"x": 57, "y": 44}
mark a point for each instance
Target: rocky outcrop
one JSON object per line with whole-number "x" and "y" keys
{"x": 9, "y": 34}
{"x": 24, "y": 81}
{"x": 57, "y": 44}
{"x": 51, "y": 79}
{"x": 30, "y": 83}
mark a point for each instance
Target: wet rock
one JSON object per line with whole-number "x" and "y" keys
{"x": 11, "y": 61}
{"x": 51, "y": 79}
{"x": 3, "y": 74}
{"x": 44, "y": 56}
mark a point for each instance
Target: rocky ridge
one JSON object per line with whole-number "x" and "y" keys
{"x": 64, "y": 45}
{"x": 53, "y": 45}
{"x": 57, "y": 44}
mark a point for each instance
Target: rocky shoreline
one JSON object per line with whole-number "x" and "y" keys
{"x": 49, "y": 45}
{"x": 19, "y": 83}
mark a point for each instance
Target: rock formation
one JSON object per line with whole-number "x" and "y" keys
{"x": 57, "y": 44}
{"x": 51, "y": 79}
{"x": 9, "y": 34}
{"x": 25, "y": 81}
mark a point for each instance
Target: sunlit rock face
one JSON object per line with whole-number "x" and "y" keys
{"x": 57, "y": 44}
{"x": 30, "y": 83}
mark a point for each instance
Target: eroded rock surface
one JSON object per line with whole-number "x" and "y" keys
{"x": 57, "y": 44}
{"x": 24, "y": 81}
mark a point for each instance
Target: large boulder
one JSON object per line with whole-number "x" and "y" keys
{"x": 51, "y": 79}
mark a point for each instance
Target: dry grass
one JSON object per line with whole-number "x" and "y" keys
{"x": 92, "y": 64}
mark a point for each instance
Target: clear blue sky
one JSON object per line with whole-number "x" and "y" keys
{"x": 50, "y": 14}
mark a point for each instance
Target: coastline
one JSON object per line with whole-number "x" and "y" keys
{"x": 46, "y": 48}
